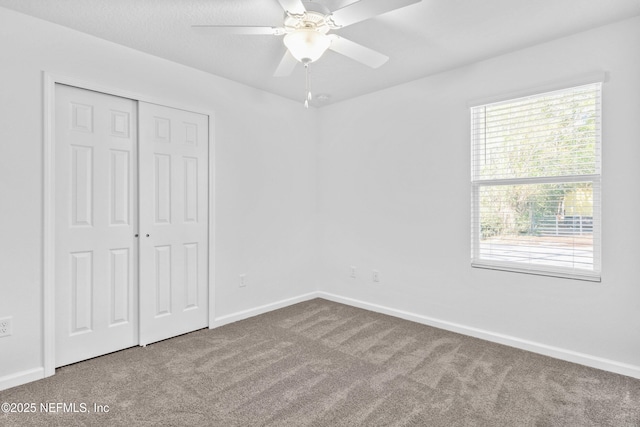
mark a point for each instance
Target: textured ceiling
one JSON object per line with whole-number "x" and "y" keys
{"x": 421, "y": 39}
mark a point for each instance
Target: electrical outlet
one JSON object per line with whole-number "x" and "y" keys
{"x": 243, "y": 280}
{"x": 5, "y": 326}
{"x": 353, "y": 272}
{"x": 376, "y": 276}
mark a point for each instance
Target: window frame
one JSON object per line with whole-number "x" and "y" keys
{"x": 595, "y": 179}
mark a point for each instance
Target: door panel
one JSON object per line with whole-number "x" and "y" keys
{"x": 95, "y": 262}
{"x": 173, "y": 222}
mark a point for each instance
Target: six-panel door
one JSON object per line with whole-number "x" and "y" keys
{"x": 95, "y": 222}
{"x": 173, "y": 222}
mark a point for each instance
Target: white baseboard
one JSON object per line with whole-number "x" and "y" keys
{"x": 245, "y": 314}
{"x": 20, "y": 378}
{"x": 534, "y": 347}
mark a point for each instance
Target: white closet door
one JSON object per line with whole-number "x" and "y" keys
{"x": 95, "y": 219}
{"x": 173, "y": 222}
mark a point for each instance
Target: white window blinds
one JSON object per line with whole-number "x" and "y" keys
{"x": 536, "y": 184}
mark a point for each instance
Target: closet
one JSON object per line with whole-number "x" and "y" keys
{"x": 131, "y": 223}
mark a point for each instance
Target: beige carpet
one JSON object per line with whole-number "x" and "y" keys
{"x": 319, "y": 363}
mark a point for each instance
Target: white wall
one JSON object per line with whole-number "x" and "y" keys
{"x": 265, "y": 174}
{"x": 395, "y": 196}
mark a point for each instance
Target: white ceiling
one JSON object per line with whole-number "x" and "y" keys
{"x": 421, "y": 39}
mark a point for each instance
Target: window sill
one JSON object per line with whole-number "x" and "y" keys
{"x": 586, "y": 276}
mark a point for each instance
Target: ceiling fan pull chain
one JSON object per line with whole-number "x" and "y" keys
{"x": 308, "y": 85}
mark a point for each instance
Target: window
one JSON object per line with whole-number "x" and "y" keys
{"x": 536, "y": 184}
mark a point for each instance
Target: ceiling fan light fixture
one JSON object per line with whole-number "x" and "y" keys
{"x": 307, "y": 44}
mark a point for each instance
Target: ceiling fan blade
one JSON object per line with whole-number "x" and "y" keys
{"x": 287, "y": 64}
{"x": 294, "y": 7}
{"x": 366, "y": 9}
{"x": 357, "y": 52}
{"x": 236, "y": 29}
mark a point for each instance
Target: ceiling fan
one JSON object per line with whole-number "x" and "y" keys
{"x": 306, "y": 30}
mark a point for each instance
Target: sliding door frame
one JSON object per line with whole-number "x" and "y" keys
{"x": 48, "y": 240}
